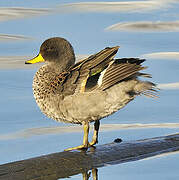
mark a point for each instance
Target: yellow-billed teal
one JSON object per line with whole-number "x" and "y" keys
{"x": 88, "y": 90}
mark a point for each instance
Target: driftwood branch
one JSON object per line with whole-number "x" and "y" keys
{"x": 65, "y": 164}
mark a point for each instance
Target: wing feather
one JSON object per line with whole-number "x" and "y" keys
{"x": 93, "y": 65}
{"x": 120, "y": 70}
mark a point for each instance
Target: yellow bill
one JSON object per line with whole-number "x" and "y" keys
{"x": 37, "y": 59}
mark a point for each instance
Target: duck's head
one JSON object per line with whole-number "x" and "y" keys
{"x": 55, "y": 51}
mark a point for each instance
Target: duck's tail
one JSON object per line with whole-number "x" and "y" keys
{"x": 147, "y": 89}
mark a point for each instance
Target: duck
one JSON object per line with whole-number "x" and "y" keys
{"x": 88, "y": 90}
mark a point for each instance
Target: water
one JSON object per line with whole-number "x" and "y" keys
{"x": 23, "y": 31}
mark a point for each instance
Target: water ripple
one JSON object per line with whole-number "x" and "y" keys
{"x": 76, "y": 129}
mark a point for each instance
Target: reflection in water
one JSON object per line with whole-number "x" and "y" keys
{"x": 95, "y": 174}
{"x": 86, "y": 175}
{"x": 69, "y": 163}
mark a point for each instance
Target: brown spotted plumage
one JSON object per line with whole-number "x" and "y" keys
{"x": 88, "y": 90}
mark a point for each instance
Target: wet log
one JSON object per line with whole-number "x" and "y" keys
{"x": 65, "y": 164}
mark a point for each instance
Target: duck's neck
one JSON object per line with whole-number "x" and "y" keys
{"x": 58, "y": 68}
